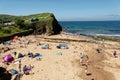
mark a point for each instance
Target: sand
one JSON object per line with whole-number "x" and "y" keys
{"x": 102, "y": 66}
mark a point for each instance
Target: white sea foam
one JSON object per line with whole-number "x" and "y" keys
{"x": 108, "y": 35}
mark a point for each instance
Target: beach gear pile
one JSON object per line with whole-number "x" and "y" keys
{"x": 27, "y": 69}
{"x": 62, "y": 46}
{"x": 7, "y": 43}
{"x": 36, "y": 55}
{"x": 45, "y": 47}
{"x": 18, "y": 55}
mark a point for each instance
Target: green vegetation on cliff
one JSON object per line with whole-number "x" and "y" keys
{"x": 44, "y": 23}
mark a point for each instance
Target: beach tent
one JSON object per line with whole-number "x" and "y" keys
{"x": 62, "y": 46}
{"x": 8, "y": 58}
{"x": 44, "y": 47}
{"x": 18, "y": 55}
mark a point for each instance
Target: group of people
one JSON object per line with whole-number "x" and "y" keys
{"x": 26, "y": 69}
{"x": 84, "y": 63}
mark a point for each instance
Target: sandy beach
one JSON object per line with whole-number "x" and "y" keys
{"x": 67, "y": 66}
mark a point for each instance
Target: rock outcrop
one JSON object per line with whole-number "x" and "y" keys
{"x": 4, "y": 74}
{"x": 48, "y": 26}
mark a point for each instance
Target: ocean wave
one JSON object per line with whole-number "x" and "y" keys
{"x": 107, "y": 35}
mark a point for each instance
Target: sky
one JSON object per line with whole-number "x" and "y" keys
{"x": 81, "y": 10}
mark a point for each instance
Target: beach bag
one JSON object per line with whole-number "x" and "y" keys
{"x": 15, "y": 72}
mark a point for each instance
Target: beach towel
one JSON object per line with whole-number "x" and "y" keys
{"x": 62, "y": 46}
{"x": 7, "y": 43}
{"x": 58, "y": 54}
{"x": 38, "y": 55}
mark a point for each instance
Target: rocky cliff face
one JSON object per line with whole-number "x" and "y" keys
{"x": 49, "y": 26}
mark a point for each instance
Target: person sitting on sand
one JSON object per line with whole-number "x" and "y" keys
{"x": 38, "y": 44}
{"x": 30, "y": 54}
{"x": 115, "y": 54}
{"x": 87, "y": 62}
{"x": 26, "y": 69}
{"x": 98, "y": 50}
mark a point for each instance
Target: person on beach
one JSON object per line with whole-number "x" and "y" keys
{"x": 103, "y": 41}
{"x": 81, "y": 57}
{"x": 98, "y": 50}
{"x": 19, "y": 65}
{"x": 30, "y": 54}
{"x": 27, "y": 69}
{"x": 115, "y": 54}
{"x": 87, "y": 57}
{"x": 86, "y": 70}
{"x": 24, "y": 69}
{"x": 81, "y": 60}
{"x": 87, "y": 63}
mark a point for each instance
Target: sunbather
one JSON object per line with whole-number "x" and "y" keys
{"x": 26, "y": 69}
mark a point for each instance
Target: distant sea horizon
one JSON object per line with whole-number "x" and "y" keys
{"x": 92, "y": 28}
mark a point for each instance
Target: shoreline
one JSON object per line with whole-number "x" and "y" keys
{"x": 98, "y": 37}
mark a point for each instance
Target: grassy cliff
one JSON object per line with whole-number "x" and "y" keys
{"x": 44, "y": 23}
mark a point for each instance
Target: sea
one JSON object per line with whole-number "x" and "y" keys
{"x": 92, "y": 28}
